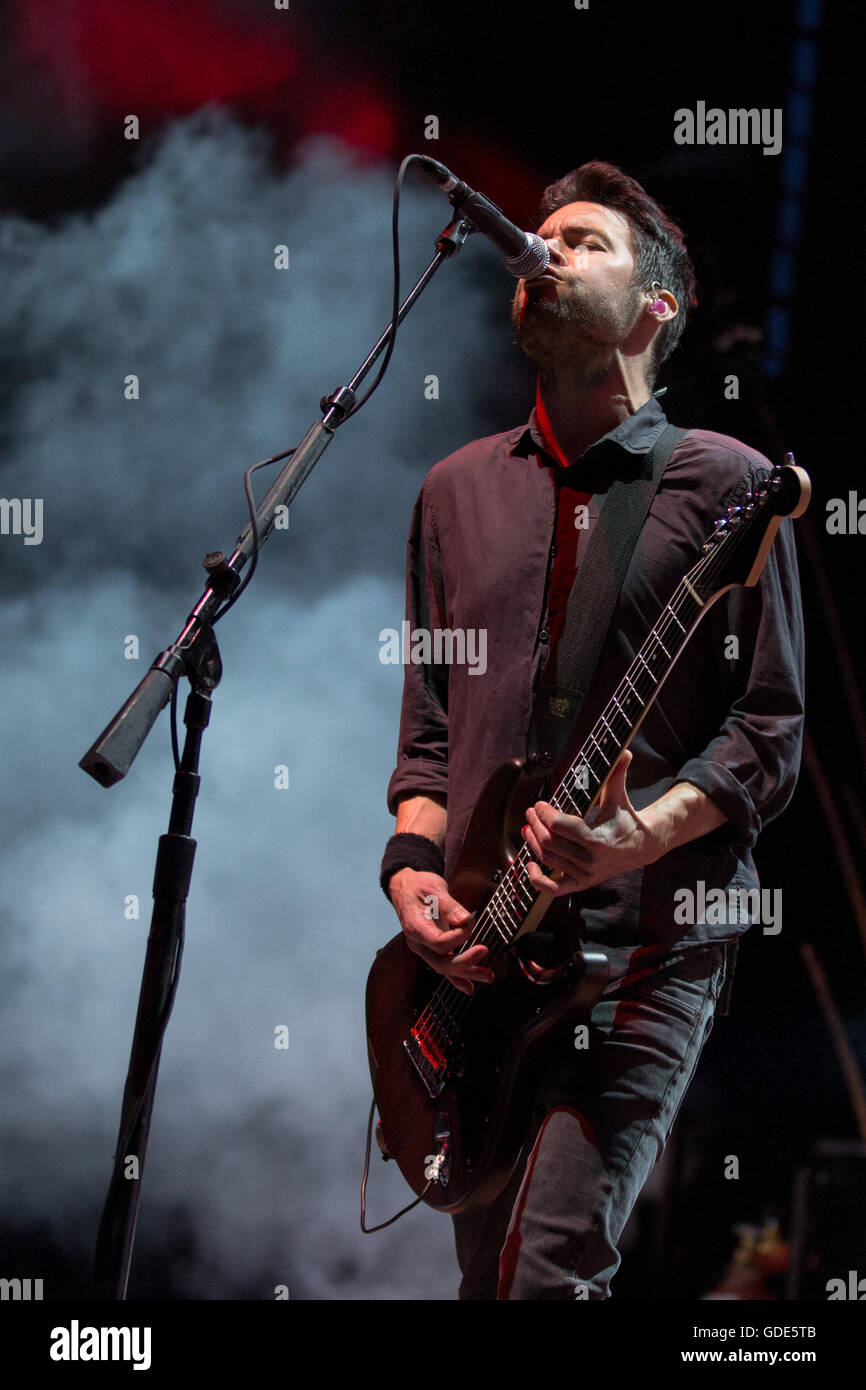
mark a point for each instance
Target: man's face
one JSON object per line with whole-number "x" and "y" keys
{"x": 586, "y": 301}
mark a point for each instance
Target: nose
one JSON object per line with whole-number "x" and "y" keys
{"x": 556, "y": 255}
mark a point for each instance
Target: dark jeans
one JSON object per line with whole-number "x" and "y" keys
{"x": 601, "y": 1120}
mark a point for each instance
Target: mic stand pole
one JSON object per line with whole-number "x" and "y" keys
{"x": 194, "y": 654}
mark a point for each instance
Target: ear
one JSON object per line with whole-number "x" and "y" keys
{"x": 661, "y": 305}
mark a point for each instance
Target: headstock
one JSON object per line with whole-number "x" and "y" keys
{"x": 737, "y": 549}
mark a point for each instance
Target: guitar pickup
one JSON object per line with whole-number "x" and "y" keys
{"x": 427, "y": 1058}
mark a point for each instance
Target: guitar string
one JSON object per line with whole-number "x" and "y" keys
{"x": 454, "y": 1010}
{"x": 564, "y": 796}
{"x": 439, "y": 1008}
{"x": 451, "y": 1011}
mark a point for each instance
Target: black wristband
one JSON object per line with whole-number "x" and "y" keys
{"x": 408, "y": 851}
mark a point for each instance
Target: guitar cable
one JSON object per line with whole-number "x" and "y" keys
{"x": 368, "y": 1230}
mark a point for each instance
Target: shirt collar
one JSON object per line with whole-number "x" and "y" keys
{"x": 635, "y": 435}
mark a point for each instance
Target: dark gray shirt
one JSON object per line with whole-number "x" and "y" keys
{"x": 479, "y": 558}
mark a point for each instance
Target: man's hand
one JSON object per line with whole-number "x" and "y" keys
{"x": 436, "y": 926}
{"x": 612, "y": 840}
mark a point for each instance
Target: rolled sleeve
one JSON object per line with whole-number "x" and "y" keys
{"x": 750, "y": 767}
{"x": 422, "y": 754}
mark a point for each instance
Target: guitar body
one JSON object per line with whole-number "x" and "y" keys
{"x": 479, "y": 1117}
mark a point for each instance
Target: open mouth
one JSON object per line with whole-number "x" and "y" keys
{"x": 545, "y": 279}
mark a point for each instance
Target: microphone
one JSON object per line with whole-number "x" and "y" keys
{"x": 526, "y": 255}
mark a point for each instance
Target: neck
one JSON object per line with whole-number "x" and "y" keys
{"x": 573, "y": 412}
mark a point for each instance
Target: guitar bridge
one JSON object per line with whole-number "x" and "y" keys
{"x": 427, "y": 1057}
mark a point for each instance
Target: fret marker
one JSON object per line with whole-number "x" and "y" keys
{"x": 634, "y": 692}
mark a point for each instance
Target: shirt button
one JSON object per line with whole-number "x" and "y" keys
{"x": 544, "y": 635}
{"x": 552, "y": 551}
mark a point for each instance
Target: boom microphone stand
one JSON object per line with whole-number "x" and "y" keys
{"x": 195, "y": 654}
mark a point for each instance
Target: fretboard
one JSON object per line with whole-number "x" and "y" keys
{"x": 514, "y": 897}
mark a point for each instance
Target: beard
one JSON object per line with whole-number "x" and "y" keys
{"x": 572, "y": 324}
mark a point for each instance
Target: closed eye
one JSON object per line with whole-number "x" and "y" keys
{"x": 587, "y": 236}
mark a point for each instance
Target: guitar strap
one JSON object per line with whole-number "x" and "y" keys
{"x": 591, "y": 604}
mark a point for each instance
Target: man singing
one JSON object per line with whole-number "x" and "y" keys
{"x": 499, "y": 531}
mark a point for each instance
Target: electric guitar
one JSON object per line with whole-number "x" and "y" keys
{"x": 452, "y": 1073}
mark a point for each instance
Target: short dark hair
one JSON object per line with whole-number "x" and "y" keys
{"x": 659, "y": 249}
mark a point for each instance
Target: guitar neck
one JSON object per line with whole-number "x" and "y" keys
{"x": 516, "y": 907}
{"x": 630, "y": 702}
